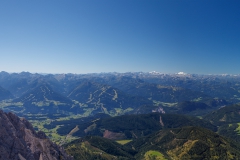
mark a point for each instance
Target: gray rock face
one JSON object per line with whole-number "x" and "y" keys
{"x": 19, "y": 141}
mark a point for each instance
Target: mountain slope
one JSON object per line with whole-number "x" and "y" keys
{"x": 105, "y": 98}
{"x": 129, "y": 126}
{"x": 43, "y": 99}
{"x": 225, "y": 115}
{"x": 178, "y": 143}
{"x": 42, "y": 92}
{"x": 187, "y": 143}
{"x": 228, "y": 120}
{"x": 18, "y": 83}
{"x": 5, "y": 94}
{"x": 94, "y": 147}
{"x": 19, "y": 141}
{"x": 138, "y": 87}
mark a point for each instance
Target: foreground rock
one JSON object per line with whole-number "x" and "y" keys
{"x": 19, "y": 141}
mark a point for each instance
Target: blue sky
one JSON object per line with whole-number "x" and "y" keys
{"x": 89, "y": 36}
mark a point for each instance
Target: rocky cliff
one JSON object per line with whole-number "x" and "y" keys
{"x": 19, "y": 141}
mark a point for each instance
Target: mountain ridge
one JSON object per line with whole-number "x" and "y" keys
{"x": 19, "y": 141}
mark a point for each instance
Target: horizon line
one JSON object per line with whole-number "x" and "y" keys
{"x": 150, "y": 72}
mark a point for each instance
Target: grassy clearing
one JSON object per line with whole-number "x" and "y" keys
{"x": 197, "y": 99}
{"x": 154, "y": 155}
{"x": 238, "y": 129}
{"x": 87, "y": 112}
{"x": 119, "y": 111}
{"x": 52, "y": 133}
{"x": 157, "y": 103}
{"x": 7, "y": 103}
{"x": 70, "y": 117}
{"x": 122, "y": 142}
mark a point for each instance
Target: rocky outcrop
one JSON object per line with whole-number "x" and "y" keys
{"x": 19, "y": 141}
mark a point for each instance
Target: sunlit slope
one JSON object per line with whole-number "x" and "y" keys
{"x": 93, "y": 147}
{"x": 187, "y": 143}
{"x": 225, "y": 115}
{"x": 176, "y": 143}
{"x": 228, "y": 120}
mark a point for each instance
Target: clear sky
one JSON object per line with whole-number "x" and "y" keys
{"x": 91, "y": 36}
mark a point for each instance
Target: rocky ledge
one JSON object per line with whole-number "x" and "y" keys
{"x": 19, "y": 141}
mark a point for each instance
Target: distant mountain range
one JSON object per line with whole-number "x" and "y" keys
{"x": 127, "y": 115}
{"x": 116, "y": 93}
